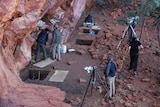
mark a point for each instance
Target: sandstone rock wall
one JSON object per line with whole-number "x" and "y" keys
{"x": 18, "y": 18}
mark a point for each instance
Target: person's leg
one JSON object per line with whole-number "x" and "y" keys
{"x": 135, "y": 63}
{"x": 58, "y": 52}
{"x": 37, "y": 51}
{"x": 131, "y": 62}
{"x": 109, "y": 93}
{"x": 113, "y": 85}
{"x": 50, "y": 51}
{"x": 44, "y": 51}
{"x": 54, "y": 51}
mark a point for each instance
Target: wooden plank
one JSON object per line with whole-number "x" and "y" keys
{"x": 39, "y": 69}
{"x": 87, "y": 28}
{"x": 44, "y": 63}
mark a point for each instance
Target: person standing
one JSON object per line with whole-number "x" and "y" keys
{"x": 134, "y": 53}
{"x": 110, "y": 72}
{"x": 89, "y": 22}
{"x": 56, "y": 43}
{"x": 41, "y": 44}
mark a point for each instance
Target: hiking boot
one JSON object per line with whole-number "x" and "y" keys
{"x": 34, "y": 61}
{"x": 129, "y": 69}
{"x": 46, "y": 58}
{"x": 37, "y": 60}
{"x": 135, "y": 72}
{"x": 109, "y": 98}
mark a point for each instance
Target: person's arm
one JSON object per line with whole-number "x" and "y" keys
{"x": 129, "y": 47}
{"x": 115, "y": 65}
{"x": 54, "y": 36}
{"x": 47, "y": 37}
{"x": 108, "y": 69}
{"x": 140, "y": 45}
{"x": 38, "y": 31}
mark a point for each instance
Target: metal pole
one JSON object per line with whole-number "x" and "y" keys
{"x": 123, "y": 35}
{"x": 86, "y": 90}
{"x": 103, "y": 84}
{"x": 133, "y": 30}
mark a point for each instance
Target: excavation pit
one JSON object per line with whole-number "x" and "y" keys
{"x": 37, "y": 74}
{"x": 88, "y": 31}
{"x": 84, "y": 42}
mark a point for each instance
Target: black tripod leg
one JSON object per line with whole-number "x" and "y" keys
{"x": 123, "y": 35}
{"x": 93, "y": 80}
{"x": 86, "y": 91}
{"x": 103, "y": 84}
{"x": 92, "y": 88}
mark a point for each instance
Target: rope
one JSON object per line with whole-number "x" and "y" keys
{"x": 124, "y": 57}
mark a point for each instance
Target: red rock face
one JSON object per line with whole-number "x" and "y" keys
{"x": 18, "y": 18}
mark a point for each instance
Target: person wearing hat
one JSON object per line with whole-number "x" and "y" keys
{"x": 41, "y": 44}
{"x": 134, "y": 53}
{"x": 110, "y": 72}
{"x": 56, "y": 43}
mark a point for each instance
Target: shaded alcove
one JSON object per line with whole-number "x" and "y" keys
{"x": 84, "y": 42}
{"x": 37, "y": 73}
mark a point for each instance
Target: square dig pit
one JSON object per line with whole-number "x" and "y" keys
{"x": 37, "y": 74}
{"x": 88, "y": 31}
{"x": 84, "y": 42}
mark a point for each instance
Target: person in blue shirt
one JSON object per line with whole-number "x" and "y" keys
{"x": 41, "y": 44}
{"x": 110, "y": 72}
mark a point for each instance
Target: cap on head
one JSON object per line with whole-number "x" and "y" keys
{"x": 110, "y": 57}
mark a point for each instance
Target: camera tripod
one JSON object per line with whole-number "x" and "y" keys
{"x": 93, "y": 77}
{"x": 124, "y": 33}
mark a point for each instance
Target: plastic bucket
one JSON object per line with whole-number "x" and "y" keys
{"x": 63, "y": 48}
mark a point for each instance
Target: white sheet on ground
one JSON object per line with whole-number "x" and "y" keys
{"x": 59, "y": 76}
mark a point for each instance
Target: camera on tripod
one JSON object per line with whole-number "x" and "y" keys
{"x": 132, "y": 20}
{"x": 90, "y": 68}
{"x": 94, "y": 75}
